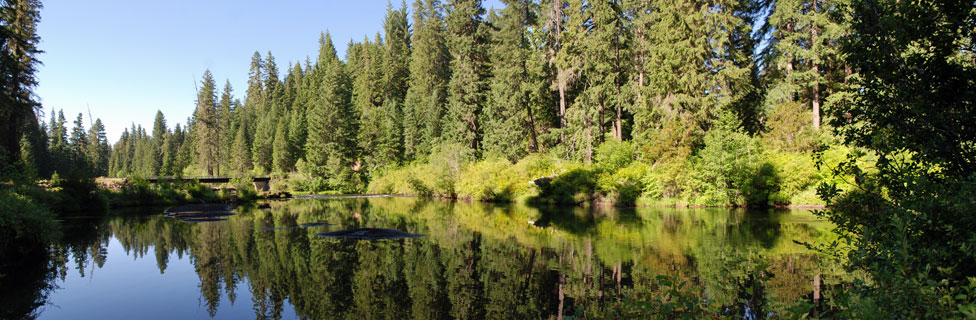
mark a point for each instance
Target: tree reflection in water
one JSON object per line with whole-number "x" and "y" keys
{"x": 475, "y": 260}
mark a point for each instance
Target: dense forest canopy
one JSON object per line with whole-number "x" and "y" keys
{"x": 557, "y": 77}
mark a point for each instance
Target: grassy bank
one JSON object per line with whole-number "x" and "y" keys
{"x": 139, "y": 192}
{"x": 728, "y": 171}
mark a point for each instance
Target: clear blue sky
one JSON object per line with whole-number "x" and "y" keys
{"x": 124, "y": 60}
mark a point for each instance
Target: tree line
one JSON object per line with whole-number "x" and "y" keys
{"x": 558, "y": 77}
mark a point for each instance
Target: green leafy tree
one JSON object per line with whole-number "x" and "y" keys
{"x": 910, "y": 223}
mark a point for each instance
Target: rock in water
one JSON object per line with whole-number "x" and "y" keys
{"x": 368, "y": 234}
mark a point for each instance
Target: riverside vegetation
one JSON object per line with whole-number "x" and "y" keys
{"x": 864, "y": 106}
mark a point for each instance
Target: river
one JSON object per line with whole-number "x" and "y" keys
{"x": 473, "y": 261}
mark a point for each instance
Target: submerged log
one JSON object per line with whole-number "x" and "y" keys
{"x": 368, "y": 234}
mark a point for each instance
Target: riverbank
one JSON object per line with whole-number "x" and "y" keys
{"x": 133, "y": 192}
{"x": 712, "y": 178}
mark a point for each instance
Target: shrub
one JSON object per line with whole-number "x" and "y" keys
{"x": 730, "y": 170}
{"x": 25, "y": 226}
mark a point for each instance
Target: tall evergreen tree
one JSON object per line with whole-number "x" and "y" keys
{"x": 281, "y": 155}
{"x": 79, "y": 141}
{"x": 225, "y": 110}
{"x": 510, "y": 128}
{"x": 18, "y": 62}
{"x": 98, "y": 149}
{"x": 429, "y": 73}
{"x": 806, "y": 65}
{"x": 467, "y": 89}
{"x": 396, "y": 31}
{"x": 330, "y": 148}
{"x": 241, "y": 151}
{"x": 206, "y": 133}
{"x": 261, "y": 146}
{"x": 159, "y": 133}
{"x": 691, "y": 77}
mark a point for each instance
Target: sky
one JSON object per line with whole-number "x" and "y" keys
{"x": 123, "y": 60}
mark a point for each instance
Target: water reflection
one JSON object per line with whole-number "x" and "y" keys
{"x": 474, "y": 261}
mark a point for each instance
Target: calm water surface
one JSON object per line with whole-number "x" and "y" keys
{"x": 475, "y": 260}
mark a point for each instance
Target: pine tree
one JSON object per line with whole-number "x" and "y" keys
{"x": 18, "y": 63}
{"x": 805, "y": 45}
{"x": 510, "y": 129}
{"x": 297, "y": 132}
{"x": 605, "y": 50}
{"x": 206, "y": 133}
{"x": 396, "y": 30}
{"x": 261, "y": 152}
{"x": 691, "y": 76}
{"x": 255, "y": 84}
{"x": 467, "y": 89}
{"x": 79, "y": 142}
{"x": 366, "y": 61}
{"x": 225, "y": 110}
{"x": 241, "y": 151}
{"x": 26, "y": 156}
{"x": 576, "y": 130}
{"x": 429, "y": 60}
{"x": 330, "y": 148}
{"x": 98, "y": 150}
{"x": 281, "y": 155}
{"x": 159, "y": 133}
{"x": 185, "y": 150}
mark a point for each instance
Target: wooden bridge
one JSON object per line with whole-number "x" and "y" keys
{"x": 261, "y": 182}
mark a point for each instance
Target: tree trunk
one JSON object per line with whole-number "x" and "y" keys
{"x": 533, "y": 141}
{"x": 619, "y": 131}
{"x": 816, "y": 72}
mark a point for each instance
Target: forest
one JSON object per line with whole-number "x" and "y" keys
{"x": 667, "y": 103}
{"x": 863, "y": 106}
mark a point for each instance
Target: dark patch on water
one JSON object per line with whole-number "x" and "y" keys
{"x": 277, "y": 228}
{"x": 195, "y": 213}
{"x": 201, "y": 215}
{"x": 198, "y": 220}
{"x": 368, "y": 234}
{"x": 192, "y": 209}
{"x": 315, "y": 224}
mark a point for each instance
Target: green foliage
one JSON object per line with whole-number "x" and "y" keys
{"x": 790, "y": 129}
{"x": 909, "y": 220}
{"x": 27, "y": 224}
{"x": 730, "y": 170}
{"x": 672, "y": 299}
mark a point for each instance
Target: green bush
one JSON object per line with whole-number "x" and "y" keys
{"x": 25, "y": 226}
{"x": 574, "y": 186}
{"x": 731, "y": 170}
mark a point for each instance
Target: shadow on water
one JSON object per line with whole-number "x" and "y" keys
{"x": 474, "y": 260}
